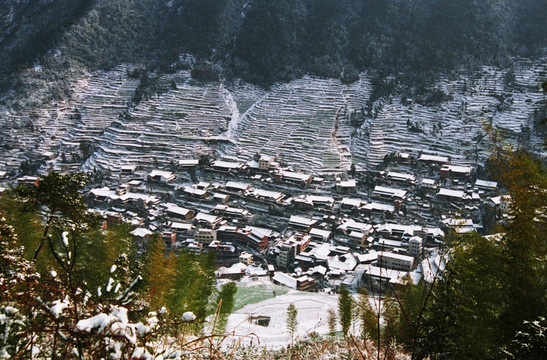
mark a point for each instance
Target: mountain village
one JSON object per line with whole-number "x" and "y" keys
{"x": 263, "y": 219}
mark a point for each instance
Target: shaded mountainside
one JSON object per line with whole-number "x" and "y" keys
{"x": 27, "y": 27}
{"x": 267, "y": 41}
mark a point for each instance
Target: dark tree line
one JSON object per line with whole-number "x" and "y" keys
{"x": 267, "y": 41}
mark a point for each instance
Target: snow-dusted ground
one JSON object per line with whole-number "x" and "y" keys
{"x": 306, "y": 121}
{"x": 312, "y": 317}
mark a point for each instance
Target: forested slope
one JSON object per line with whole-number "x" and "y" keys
{"x": 267, "y": 41}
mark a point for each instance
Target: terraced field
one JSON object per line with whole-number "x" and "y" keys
{"x": 297, "y": 120}
{"x": 305, "y": 121}
{"x": 452, "y": 127}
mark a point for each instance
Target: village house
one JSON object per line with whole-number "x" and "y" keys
{"x": 169, "y": 238}
{"x": 136, "y": 201}
{"x": 397, "y": 231}
{"x": 291, "y": 247}
{"x": 451, "y": 195}
{"x": 389, "y": 193}
{"x": 159, "y": 176}
{"x": 302, "y": 223}
{"x": 183, "y": 230}
{"x": 264, "y": 162}
{"x": 175, "y": 212}
{"x": 400, "y": 177}
{"x": 428, "y": 184}
{"x": 395, "y": 261}
{"x": 452, "y": 171}
{"x": 128, "y": 169}
{"x": 403, "y": 157}
{"x": 415, "y": 246}
{"x": 205, "y": 236}
{"x": 142, "y": 234}
{"x": 246, "y": 258}
{"x": 227, "y": 233}
{"x": 102, "y": 195}
{"x": 230, "y": 212}
{"x": 255, "y": 237}
{"x": 352, "y": 204}
{"x": 433, "y": 159}
{"x": 486, "y": 185}
{"x": 382, "y": 278}
{"x": 294, "y": 177}
{"x": 346, "y": 186}
{"x": 459, "y": 226}
{"x": 187, "y": 164}
{"x": 234, "y": 272}
{"x": 320, "y": 235}
{"x": 222, "y": 198}
{"x": 195, "y": 192}
{"x": 207, "y": 220}
{"x": 224, "y": 252}
{"x": 267, "y": 195}
{"x": 237, "y": 187}
{"x": 302, "y": 283}
{"x": 227, "y": 166}
{"x": 378, "y": 208}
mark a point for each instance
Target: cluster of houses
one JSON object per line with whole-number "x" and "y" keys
{"x": 303, "y": 231}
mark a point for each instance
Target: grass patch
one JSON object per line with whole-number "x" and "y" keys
{"x": 255, "y": 294}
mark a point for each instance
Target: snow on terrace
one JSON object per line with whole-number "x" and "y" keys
{"x": 312, "y": 317}
{"x": 297, "y": 121}
{"x": 169, "y": 124}
{"x": 99, "y": 98}
{"x": 448, "y": 129}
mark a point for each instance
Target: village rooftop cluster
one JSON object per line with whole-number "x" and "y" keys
{"x": 376, "y": 228}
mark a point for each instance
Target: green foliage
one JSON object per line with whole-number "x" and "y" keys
{"x": 87, "y": 271}
{"x": 345, "y": 308}
{"x": 226, "y": 302}
{"x": 227, "y": 296}
{"x": 368, "y": 317}
{"x": 530, "y": 343}
{"x": 160, "y": 272}
{"x": 26, "y": 224}
{"x": 292, "y": 323}
{"x": 58, "y": 197}
{"x": 467, "y": 302}
{"x": 493, "y": 286}
{"x": 193, "y": 285}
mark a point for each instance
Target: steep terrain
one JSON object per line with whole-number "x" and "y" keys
{"x": 309, "y": 122}
{"x": 268, "y": 41}
{"x": 101, "y": 82}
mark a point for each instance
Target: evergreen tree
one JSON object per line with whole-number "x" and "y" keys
{"x": 59, "y": 196}
{"x": 226, "y": 296}
{"x": 345, "y": 307}
{"x": 160, "y": 272}
{"x": 193, "y": 285}
{"x": 493, "y": 286}
{"x": 226, "y": 302}
{"x": 292, "y": 322}
{"x": 367, "y": 316}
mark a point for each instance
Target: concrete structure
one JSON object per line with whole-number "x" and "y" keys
{"x": 264, "y": 162}
{"x": 395, "y": 261}
{"x": 205, "y": 236}
{"x": 246, "y": 258}
{"x": 415, "y": 247}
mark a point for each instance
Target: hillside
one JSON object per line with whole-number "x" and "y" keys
{"x": 265, "y": 42}
{"x": 319, "y": 125}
